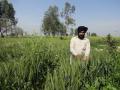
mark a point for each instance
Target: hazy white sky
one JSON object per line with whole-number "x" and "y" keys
{"x": 100, "y": 16}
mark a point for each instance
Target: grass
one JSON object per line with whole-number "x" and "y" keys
{"x": 43, "y": 63}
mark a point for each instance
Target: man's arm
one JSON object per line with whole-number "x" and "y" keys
{"x": 72, "y": 43}
{"x": 87, "y": 51}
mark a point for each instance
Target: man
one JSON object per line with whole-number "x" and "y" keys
{"x": 79, "y": 45}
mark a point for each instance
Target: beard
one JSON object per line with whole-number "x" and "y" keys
{"x": 81, "y": 36}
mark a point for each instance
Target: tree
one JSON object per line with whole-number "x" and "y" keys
{"x": 111, "y": 45}
{"x": 18, "y": 31}
{"x": 51, "y": 23}
{"x": 0, "y": 9}
{"x": 93, "y": 34}
{"x": 7, "y": 16}
{"x": 66, "y": 14}
{"x": 88, "y": 34}
{"x": 72, "y": 31}
{"x": 62, "y": 29}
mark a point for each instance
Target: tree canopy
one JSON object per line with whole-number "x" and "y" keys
{"x": 7, "y": 16}
{"x": 51, "y": 23}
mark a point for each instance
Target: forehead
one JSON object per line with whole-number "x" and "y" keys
{"x": 82, "y": 32}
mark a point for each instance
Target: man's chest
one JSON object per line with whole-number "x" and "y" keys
{"x": 80, "y": 43}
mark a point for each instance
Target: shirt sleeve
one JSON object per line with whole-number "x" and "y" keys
{"x": 72, "y": 47}
{"x": 87, "y": 52}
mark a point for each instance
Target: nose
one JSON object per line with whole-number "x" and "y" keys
{"x": 81, "y": 33}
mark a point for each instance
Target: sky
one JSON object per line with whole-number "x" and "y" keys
{"x": 100, "y": 16}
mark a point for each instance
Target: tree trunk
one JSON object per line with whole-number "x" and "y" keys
{"x": 1, "y": 33}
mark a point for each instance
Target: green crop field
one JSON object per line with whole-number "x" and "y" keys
{"x": 43, "y": 63}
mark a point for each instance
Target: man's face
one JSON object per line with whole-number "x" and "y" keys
{"x": 81, "y": 34}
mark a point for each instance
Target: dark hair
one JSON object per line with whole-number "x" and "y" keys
{"x": 82, "y": 28}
